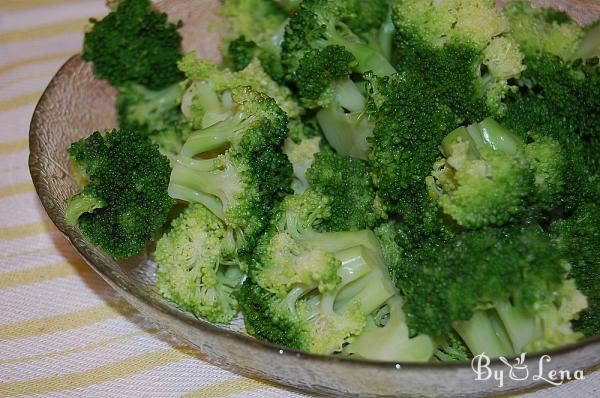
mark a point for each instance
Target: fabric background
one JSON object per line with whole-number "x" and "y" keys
{"x": 63, "y": 331}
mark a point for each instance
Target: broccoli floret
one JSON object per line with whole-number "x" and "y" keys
{"x": 578, "y": 238}
{"x": 451, "y": 348}
{"x": 197, "y": 267}
{"x": 347, "y": 180}
{"x": 543, "y": 31}
{"x": 308, "y": 290}
{"x": 207, "y": 96}
{"x": 410, "y": 122}
{"x": 461, "y": 51}
{"x": 236, "y": 167}
{"x": 154, "y": 114}
{"x": 134, "y": 43}
{"x": 320, "y": 49}
{"x": 386, "y": 337}
{"x": 485, "y": 177}
{"x": 124, "y": 201}
{"x": 503, "y": 290}
{"x": 256, "y": 32}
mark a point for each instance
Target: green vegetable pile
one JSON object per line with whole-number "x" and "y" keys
{"x": 398, "y": 180}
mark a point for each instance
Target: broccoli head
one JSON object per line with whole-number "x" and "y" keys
{"x": 348, "y": 182}
{"x": 124, "y": 201}
{"x": 236, "y": 167}
{"x": 134, "y": 43}
{"x": 503, "y": 290}
{"x": 197, "y": 267}
{"x": 462, "y": 51}
{"x": 308, "y": 290}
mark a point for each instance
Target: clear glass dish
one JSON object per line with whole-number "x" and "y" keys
{"x": 73, "y": 106}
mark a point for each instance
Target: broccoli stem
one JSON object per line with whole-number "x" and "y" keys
{"x": 216, "y": 136}
{"x": 157, "y": 101}
{"x": 483, "y": 333}
{"x": 386, "y": 36}
{"x": 519, "y": 324}
{"x": 80, "y": 204}
{"x": 367, "y": 58}
{"x": 486, "y": 134}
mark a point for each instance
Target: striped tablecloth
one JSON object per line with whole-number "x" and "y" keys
{"x": 63, "y": 331}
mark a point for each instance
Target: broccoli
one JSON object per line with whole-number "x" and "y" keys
{"x": 197, "y": 267}
{"x": 207, "y": 96}
{"x": 136, "y": 44}
{"x": 309, "y": 290}
{"x": 256, "y": 32}
{"x": 301, "y": 155}
{"x": 489, "y": 176}
{"x": 320, "y": 49}
{"x": 578, "y": 238}
{"x": 410, "y": 122}
{"x": 348, "y": 182}
{"x": 154, "y": 114}
{"x": 236, "y": 167}
{"x": 503, "y": 290}
{"x": 462, "y": 52}
{"x": 124, "y": 201}
{"x": 386, "y": 337}
{"x": 543, "y": 30}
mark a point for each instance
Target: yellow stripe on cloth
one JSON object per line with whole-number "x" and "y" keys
{"x": 20, "y": 4}
{"x": 60, "y": 323}
{"x": 26, "y": 230}
{"x": 43, "y": 31}
{"x": 79, "y": 350}
{"x": 102, "y": 374}
{"x": 15, "y": 102}
{"x": 40, "y": 274}
{"x": 16, "y": 189}
{"x": 34, "y": 60}
{"x": 229, "y": 387}
{"x": 13, "y": 146}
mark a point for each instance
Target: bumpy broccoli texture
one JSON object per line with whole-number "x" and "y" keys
{"x": 134, "y": 43}
{"x": 398, "y": 180}
{"x": 124, "y": 201}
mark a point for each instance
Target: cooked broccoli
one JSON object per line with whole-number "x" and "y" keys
{"x": 410, "y": 122}
{"x": 462, "y": 52}
{"x": 197, "y": 267}
{"x": 503, "y": 290}
{"x": 207, "y": 96}
{"x": 386, "y": 337}
{"x": 301, "y": 155}
{"x": 320, "y": 49}
{"x": 347, "y": 181}
{"x": 154, "y": 114}
{"x": 578, "y": 238}
{"x": 308, "y": 290}
{"x": 256, "y": 32}
{"x": 236, "y": 167}
{"x": 136, "y": 44}
{"x": 124, "y": 201}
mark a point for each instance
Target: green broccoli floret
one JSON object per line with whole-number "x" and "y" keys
{"x": 543, "y": 30}
{"x": 207, "y": 96}
{"x": 578, "y": 238}
{"x": 319, "y": 49}
{"x": 347, "y": 180}
{"x": 410, "y": 122}
{"x": 154, "y": 114}
{"x": 256, "y": 32}
{"x": 503, "y": 290}
{"x": 308, "y": 290}
{"x": 197, "y": 267}
{"x": 489, "y": 176}
{"x": 124, "y": 201}
{"x": 386, "y": 337}
{"x": 236, "y": 167}
{"x": 134, "y": 43}
{"x": 461, "y": 51}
